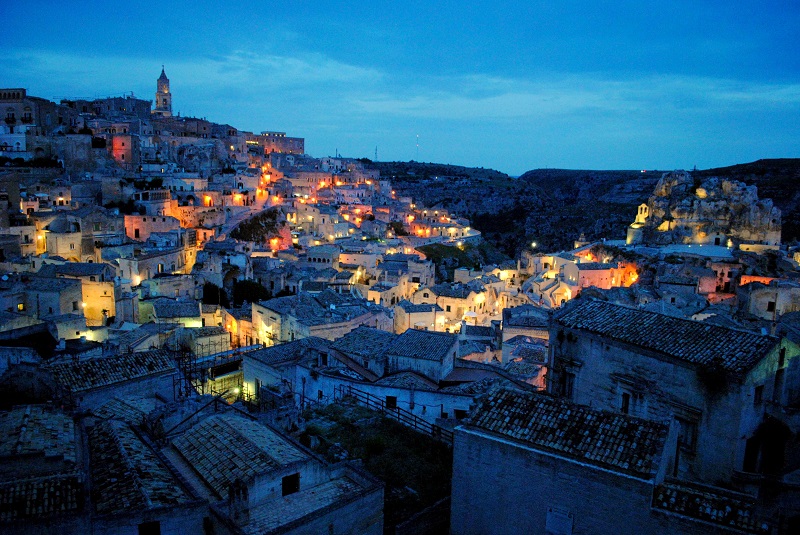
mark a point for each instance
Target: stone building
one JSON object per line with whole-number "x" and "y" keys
{"x": 259, "y": 481}
{"x": 163, "y": 97}
{"x": 328, "y": 315}
{"x": 90, "y": 383}
{"x": 42, "y": 487}
{"x": 529, "y": 463}
{"x": 719, "y": 385}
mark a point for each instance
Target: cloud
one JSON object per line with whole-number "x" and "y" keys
{"x": 477, "y": 97}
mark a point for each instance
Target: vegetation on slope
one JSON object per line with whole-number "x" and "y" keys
{"x": 415, "y": 468}
{"x": 258, "y": 227}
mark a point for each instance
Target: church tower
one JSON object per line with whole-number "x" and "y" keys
{"x": 163, "y": 96}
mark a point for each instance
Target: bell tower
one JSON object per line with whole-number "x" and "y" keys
{"x": 163, "y": 96}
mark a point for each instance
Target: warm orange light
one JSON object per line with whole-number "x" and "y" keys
{"x": 338, "y": 183}
{"x": 276, "y": 199}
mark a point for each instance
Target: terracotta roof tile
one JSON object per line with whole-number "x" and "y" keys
{"x": 126, "y": 474}
{"x": 688, "y": 340}
{"x": 104, "y": 371}
{"x": 614, "y": 441}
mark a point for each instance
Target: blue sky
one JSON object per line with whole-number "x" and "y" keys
{"x": 507, "y": 85}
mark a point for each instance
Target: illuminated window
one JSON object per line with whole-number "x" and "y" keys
{"x": 20, "y": 307}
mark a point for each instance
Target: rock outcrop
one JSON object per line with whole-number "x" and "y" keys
{"x": 711, "y": 211}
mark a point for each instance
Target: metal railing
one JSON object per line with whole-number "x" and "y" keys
{"x": 402, "y": 416}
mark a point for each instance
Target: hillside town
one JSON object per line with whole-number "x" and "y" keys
{"x": 185, "y": 306}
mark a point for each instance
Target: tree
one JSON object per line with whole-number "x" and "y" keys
{"x": 251, "y": 291}
{"x": 214, "y": 295}
{"x": 397, "y": 227}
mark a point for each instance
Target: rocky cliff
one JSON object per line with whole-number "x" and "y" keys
{"x": 710, "y": 210}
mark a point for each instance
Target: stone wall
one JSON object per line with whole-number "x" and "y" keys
{"x": 500, "y": 487}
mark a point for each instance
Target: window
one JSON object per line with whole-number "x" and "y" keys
{"x": 290, "y": 484}
{"x": 72, "y": 246}
{"x": 391, "y": 402}
{"x": 21, "y": 307}
{"x": 687, "y": 434}
{"x": 782, "y": 357}
{"x": 150, "y": 528}
{"x": 566, "y": 384}
{"x": 758, "y": 395}
{"x": 771, "y": 306}
{"x": 425, "y": 294}
{"x": 74, "y": 305}
{"x": 448, "y": 308}
{"x": 459, "y": 414}
{"x": 136, "y": 233}
{"x": 626, "y": 403}
{"x": 777, "y": 391}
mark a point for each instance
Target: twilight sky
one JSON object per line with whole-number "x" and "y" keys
{"x": 508, "y": 85}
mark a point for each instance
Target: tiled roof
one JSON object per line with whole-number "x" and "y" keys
{"x": 271, "y": 515}
{"x": 524, "y": 367}
{"x": 199, "y": 332}
{"x": 408, "y": 379}
{"x": 104, "y": 371}
{"x": 714, "y": 506}
{"x": 167, "y": 308}
{"x": 670, "y": 278}
{"x": 40, "y": 497}
{"x": 33, "y": 429}
{"x": 289, "y": 351}
{"x": 476, "y": 387}
{"x": 468, "y": 347}
{"x": 523, "y": 339}
{"x": 225, "y": 447}
{"x": 364, "y": 342}
{"x": 41, "y": 284}
{"x": 424, "y": 345}
{"x": 478, "y": 330}
{"x": 324, "y": 308}
{"x": 140, "y": 334}
{"x": 128, "y": 409}
{"x": 610, "y": 440}
{"x": 410, "y": 307}
{"x": 456, "y": 290}
{"x": 595, "y": 266}
{"x": 532, "y": 352}
{"x": 687, "y": 340}
{"x": 74, "y": 269}
{"x": 126, "y": 474}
